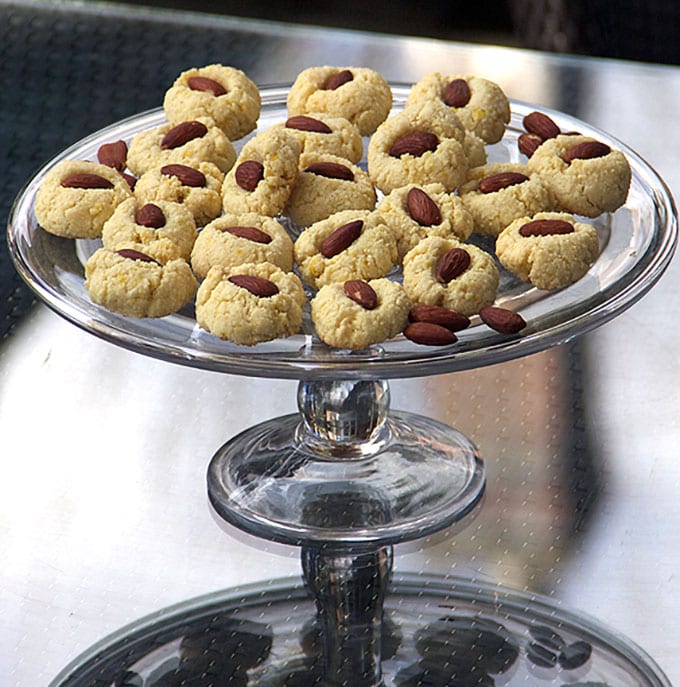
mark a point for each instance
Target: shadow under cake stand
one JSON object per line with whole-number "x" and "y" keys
{"x": 346, "y": 477}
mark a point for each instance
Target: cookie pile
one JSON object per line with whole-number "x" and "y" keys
{"x": 183, "y": 214}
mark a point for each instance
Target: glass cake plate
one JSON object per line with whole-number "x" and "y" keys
{"x": 636, "y": 243}
{"x": 438, "y": 632}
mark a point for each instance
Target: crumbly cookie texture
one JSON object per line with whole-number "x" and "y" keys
{"x": 79, "y": 209}
{"x": 358, "y": 94}
{"x": 322, "y": 133}
{"x": 136, "y": 287}
{"x": 165, "y": 231}
{"x": 263, "y": 176}
{"x": 372, "y": 254}
{"x": 186, "y": 143}
{"x": 343, "y": 322}
{"x": 222, "y": 94}
{"x": 493, "y": 210}
{"x": 584, "y": 186}
{"x": 234, "y": 313}
{"x": 423, "y": 144}
{"x": 549, "y": 261}
{"x": 234, "y": 239}
{"x": 415, "y": 212}
{"x": 327, "y": 184}
{"x": 197, "y": 187}
{"x": 480, "y": 103}
{"x": 467, "y": 293}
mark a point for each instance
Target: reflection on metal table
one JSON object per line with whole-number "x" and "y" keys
{"x": 103, "y": 511}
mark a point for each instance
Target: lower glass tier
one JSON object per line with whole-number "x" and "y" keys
{"x": 414, "y": 476}
{"x": 437, "y": 632}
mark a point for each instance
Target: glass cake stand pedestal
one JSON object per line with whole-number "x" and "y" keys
{"x": 346, "y": 478}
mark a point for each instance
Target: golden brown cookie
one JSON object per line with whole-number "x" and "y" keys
{"x": 220, "y": 93}
{"x": 586, "y": 176}
{"x": 251, "y": 303}
{"x": 357, "y": 314}
{"x": 131, "y": 283}
{"x": 497, "y": 193}
{"x": 327, "y": 184}
{"x": 416, "y": 212}
{"x": 352, "y": 244}
{"x": 163, "y": 230}
{"x": 233, "y": 240}
{"x": 263, "y": 176}
{"x": 480, "y": 104}
{"x": 197, "y": 187}
{"x": 77, "y": 197}
{"x": 549, "y": 250}
{"x": 446, "y": 272}
{"x": 358, "y": 94}
{"x": 186, "y": 143}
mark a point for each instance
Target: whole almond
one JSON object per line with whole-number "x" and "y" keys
{"x": 113, "y": 155}
{"x": 540, "y": 124}
{"x": 188, "y": 176}
{"x": 131, "y": 180}
{"x": 586, "y": 150}
{"x": 362, "y": 293}
{"x": 332, "y": 170}
{"x": 457, "y": 93}
{"x": 546, "y": 227}
{"x": 341, "y": 238}
{"x": 203, "y": 83}
{"x": 416, "y": 143}
{"x": 437, "y": 314}
{"x": 183, "y": 133}
{"x": 258, "y": 286}
{"x": 150, "y": 215}
{"x": 249, "y": 174}
{"x": 502, "y": 320}
{"x": 85, "y": 180}
{"x": 249, "y": 233}
{"x": 452, "y": 264}
{"x": 422, "y": 208}
{"x": 132, "y": 254}
{"x": 338, "y": 79}
{"x": 304, "y": 123}
{"x": 429, "y": 334}
{"x": 528, "y": 143}
{"x": 499, "y": 181}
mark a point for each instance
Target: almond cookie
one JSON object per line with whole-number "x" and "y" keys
{"x": 420, "y": 145}
{"x": 352, "y": 244}
{"x": 415, "y": 212}
{"x": 358, "y": 94}
{"x": 236, "y": 239}
{"x": 132, "y": 283}
{"x": 586, "y": 176}
{"x": 196, "y": 187}
{"x": 497, "y": 193}
{"x": 327, "y": 184}
{"x": 186, "y": 143}
{"x": 77, "y": 197}
{"x": 549, "y": 250}
{"x": 222, "y": 94}
{"x": 319, "y": 132}
{"x": 250, "y": 303}
{"x": 163, "y": 230}
{"x": 480, "y": 104}
{"x": 357, "y": 314}
{"x": 455, "y": 275}
{"x": 264, "y": 173}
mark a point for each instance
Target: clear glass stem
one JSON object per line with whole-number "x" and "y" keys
{"x": 349, "y": 591}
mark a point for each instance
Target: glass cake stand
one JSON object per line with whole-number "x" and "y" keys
{"x": 346, "y": 478}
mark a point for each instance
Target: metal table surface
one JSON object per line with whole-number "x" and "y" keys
{"x": 103, "y": 511}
